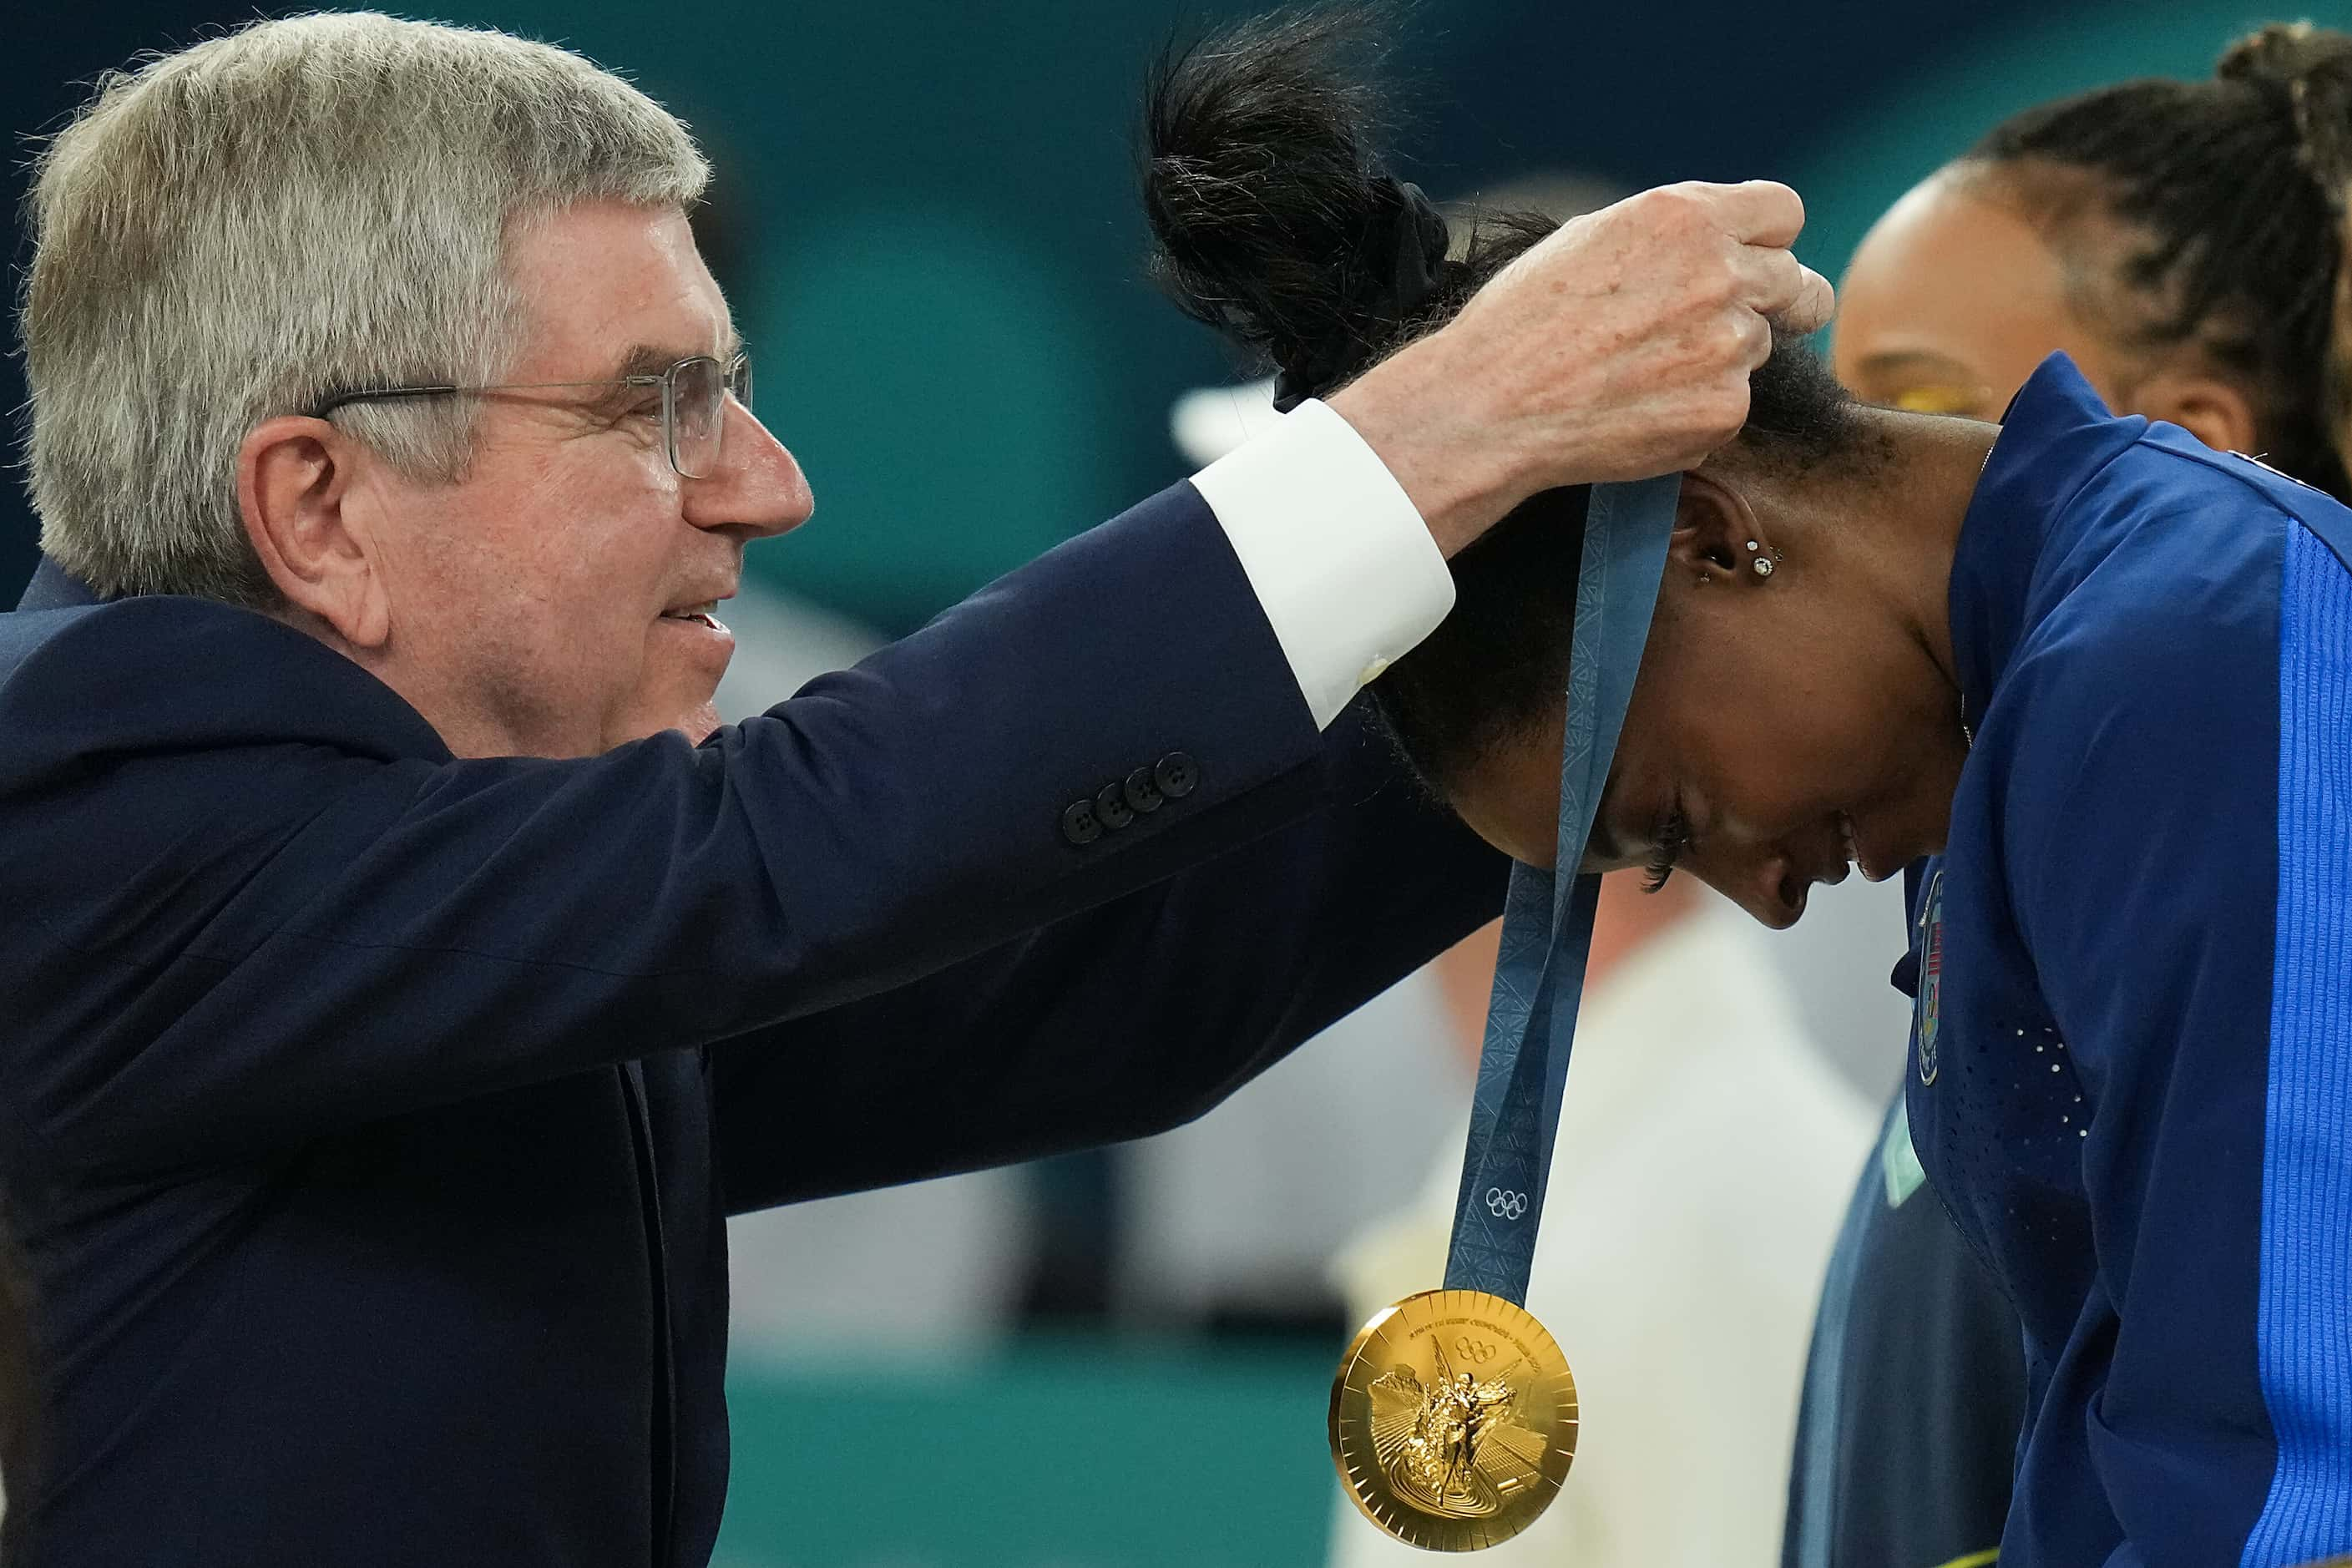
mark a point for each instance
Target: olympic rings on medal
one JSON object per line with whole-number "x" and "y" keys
{"x": 1506, "y": 1204}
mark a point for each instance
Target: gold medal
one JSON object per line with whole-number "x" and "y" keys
{"x": 1453, "y": 1419}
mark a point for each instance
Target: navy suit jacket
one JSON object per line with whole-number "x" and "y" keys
{"x": 371, "y": 1117}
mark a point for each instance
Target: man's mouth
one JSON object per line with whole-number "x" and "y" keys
{"x": 704, "y": 614}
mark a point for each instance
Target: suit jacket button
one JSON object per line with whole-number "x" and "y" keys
{"x": 1177, "y": 774}
{"x": 1080, "y": 823}
{"x": 1142, "y": 793}
{"x": 1111, "y": 804}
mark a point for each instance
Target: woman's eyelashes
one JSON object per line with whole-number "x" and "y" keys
{"x": 1671, "y": 838}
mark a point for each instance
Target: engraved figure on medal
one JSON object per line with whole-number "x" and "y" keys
{"x": 1452, "y": 1449}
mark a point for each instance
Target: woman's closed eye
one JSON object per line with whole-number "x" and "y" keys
{"x": 1671, "y": 836}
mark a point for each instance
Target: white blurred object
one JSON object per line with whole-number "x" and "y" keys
{"x": 1211, "y": 421}
{"x": 1838, "y": 959}
{"x": 1240, "y": 1208}
{"x": 1705, "y": 1155}
{"x": 781, "y": 643}
{"x": 929, "y": 1268}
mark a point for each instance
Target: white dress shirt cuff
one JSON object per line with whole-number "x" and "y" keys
{"x": 1345, "y": 568}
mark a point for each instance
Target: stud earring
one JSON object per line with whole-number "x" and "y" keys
{"x": 1751, "y": 546}
{"x": 1764, "y": 564}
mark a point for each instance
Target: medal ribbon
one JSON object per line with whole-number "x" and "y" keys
{"x": 1547, "y": 915}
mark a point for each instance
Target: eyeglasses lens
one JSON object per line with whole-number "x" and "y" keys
{"x": 698, "y": 412}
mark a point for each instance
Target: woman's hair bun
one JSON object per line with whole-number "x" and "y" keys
{"x": 2311, "y": 69}
{"x": 1273, "y": 219}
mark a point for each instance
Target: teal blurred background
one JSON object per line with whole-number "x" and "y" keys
{"x": 1072, "y": 1453}
{"x": 926, "y": 219}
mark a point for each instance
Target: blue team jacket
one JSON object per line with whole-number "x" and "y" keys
{"x": 369, "y": 1117}
{"x": 2131, "y": 1067}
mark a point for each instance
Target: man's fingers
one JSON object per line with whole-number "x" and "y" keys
{"x": 1766, "y": 216}
{"x": 1756, "y": 211}
{"x": 1776, "y": 285}
{"x": 1749, "y": 342}
{"x": 1815, "y": 303}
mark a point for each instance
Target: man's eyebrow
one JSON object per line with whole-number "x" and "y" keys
{"x": 652, "y": 359}
{"x": 645, "y": 359}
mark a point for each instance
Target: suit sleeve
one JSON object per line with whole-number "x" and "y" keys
{"x": 2183, "y": 908}
{"x": 243, "y": 929}
{"x": 1116, "y": 1023}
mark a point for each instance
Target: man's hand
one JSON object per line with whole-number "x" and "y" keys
{"x": 1618, "y": 348}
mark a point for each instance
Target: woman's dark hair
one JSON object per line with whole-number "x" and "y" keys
{"x": 2238, "y": 187}
{"x": 1278, "y": 224}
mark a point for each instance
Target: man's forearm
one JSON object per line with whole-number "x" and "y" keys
{"x": 1102, "y": 1026}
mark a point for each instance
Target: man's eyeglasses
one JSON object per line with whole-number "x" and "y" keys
{"x": 693, "y": 393}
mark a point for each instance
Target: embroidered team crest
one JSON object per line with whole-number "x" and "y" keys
{"x": 1928, "y": 1010}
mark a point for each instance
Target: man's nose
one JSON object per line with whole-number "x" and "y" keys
{"x": 759, "y": 488}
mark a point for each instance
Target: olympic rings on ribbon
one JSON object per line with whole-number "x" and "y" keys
{"x": 1506, "y": 1205}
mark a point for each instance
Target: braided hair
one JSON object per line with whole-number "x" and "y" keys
{"x": 2236, "y": 188}
{"x": 1277, "y": 221}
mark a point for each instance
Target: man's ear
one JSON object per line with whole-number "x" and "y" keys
{"x": 2206, "y": 407}
{"x": 295, "y": 484}
{"x": 1715, "y": 533}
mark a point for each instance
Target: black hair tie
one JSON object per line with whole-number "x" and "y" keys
{"x": 1410, "y": 234}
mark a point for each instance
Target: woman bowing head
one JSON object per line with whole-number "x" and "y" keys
{"x": 2087, "y": 674}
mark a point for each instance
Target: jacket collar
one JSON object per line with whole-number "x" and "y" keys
{"x": 189, "y": 672}
{"x": 2055, "y": 436}
{"x": 53, "y": 588}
